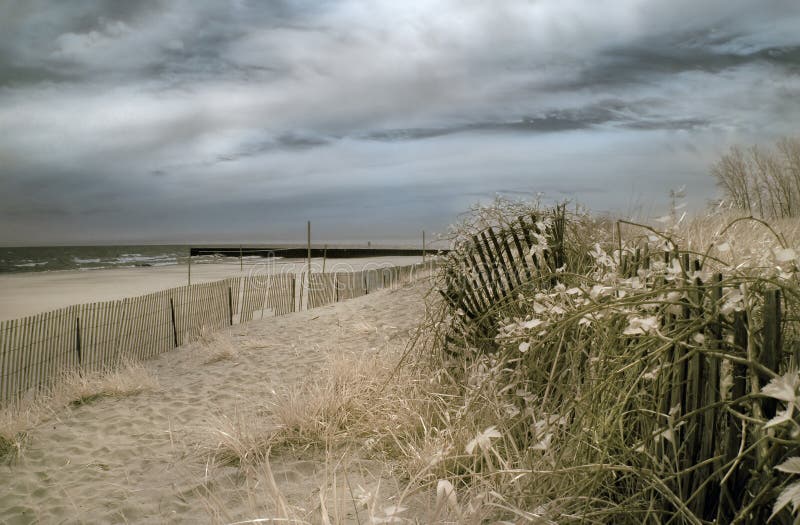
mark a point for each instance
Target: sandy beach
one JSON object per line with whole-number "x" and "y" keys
{"x": 141, "y": 459}
{"x": 23, "y": 294}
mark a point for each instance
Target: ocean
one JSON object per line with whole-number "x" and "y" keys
{"x": 51, "y": 258}
{"x": 55, "y": 258}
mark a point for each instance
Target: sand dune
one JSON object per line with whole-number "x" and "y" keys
{"x": 141, "y": 459}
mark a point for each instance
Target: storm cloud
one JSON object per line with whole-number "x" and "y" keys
{"x": 236, "y": 121}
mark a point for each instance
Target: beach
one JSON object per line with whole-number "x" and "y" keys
{"x": 23, "y": 294}
{"x": 146, "y": 458}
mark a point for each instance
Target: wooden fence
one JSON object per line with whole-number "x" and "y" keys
{"x": 328, "y": 288}
{"x": 492, "y": 264}
{"x": 714, "y": 465}
{"x": 36, "y": 350}
{"x": 720, "y": 465}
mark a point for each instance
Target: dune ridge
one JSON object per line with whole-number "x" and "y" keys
{"x": 145, "y": 458}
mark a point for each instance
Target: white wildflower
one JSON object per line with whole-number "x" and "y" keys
{"x": 784, "y": 254}
{"x": 734, "y": 301}
{"x": 483, "y": 440}
{"x": 533, "y": 323}
{"x": 651, "y": 374}
{"x": 641, "y": 325}
{"x": 783, "y": 388}
{"x": 446, "y": 494}
{"x": 362, "y": 496}
{"x": 391, "y": 515}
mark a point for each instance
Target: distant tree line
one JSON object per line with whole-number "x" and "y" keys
{"x": 764, "y": 182}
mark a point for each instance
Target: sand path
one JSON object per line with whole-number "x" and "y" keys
{"x": 136, "y": 459}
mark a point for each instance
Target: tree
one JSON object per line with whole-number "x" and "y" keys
{"x": 760, "y": 181}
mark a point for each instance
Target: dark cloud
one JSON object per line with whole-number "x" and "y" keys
{"x": 117, "y": 115}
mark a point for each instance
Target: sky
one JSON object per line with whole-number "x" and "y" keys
{"x": 214, "y": 121}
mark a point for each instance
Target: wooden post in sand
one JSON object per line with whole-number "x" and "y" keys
{"x": 190, "y": 265}
{"x": 174, "y": 326}
{"x": 230, "y": 307}
{"x": 308, "y": 269}
{"x": 423, "y": 246}
{"x": 78, "y": 339}
{"x": 240, "y": 258}
{"x": 324, "y": 257}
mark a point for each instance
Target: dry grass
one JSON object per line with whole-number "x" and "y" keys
{"x": 560, "y": 406}
{"x": 216, "y": 347}
{"x": 563, "y": 431}
{"x": 394, "y": 407}
{"x": 15, "y": 422}
{"x": 357, "y": 396}
{"x": 124, "y": 380}
{"x": 72, "y": 389}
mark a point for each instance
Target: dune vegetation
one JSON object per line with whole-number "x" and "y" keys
{"x": 564, "y": 400}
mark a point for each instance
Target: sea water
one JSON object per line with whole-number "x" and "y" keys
{"x": 50, "y": 258}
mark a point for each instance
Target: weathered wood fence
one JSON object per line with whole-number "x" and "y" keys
{"x": 327, "y": 288}
{"x": 718, "y": 465}
{"x": 486, "y": 270}
{"x": 720, "y": 462}
{"x": 36, "y": 350}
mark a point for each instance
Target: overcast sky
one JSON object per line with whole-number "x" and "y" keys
{"x": 233, "y": 121}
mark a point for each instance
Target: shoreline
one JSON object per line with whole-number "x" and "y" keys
{"x": 28, "y": 293}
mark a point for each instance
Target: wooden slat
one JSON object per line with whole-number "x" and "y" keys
{"x": 15, "y": 368}
{"x": 123, "y": 330}
{"x": 88, "y": 319}
{"x": 111, "y": 332}
{"x": 51, "y": 352}
{"x": 38, "y": 355}
{"x": 102, "y": 321}
{"x": 34, "y": 345}
{"x": 141, "y": 327}
{"x": 486, "y": 271}
{"x": 770, "y": 353}
{"x": 732, "y": 489}
{"x": 27, "y": 350}
{"x": 513, "y": 264}
{"x": 20, "y": 342}
{"x": 9, "y": 328}
{"x": 4, "y": 333}
{"x": 495, "y": 276}
{"x": 140, "y": 307}
{"x": 67, "y": 342}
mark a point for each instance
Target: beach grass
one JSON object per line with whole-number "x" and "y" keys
{"x": 556, "y": 418}
{"x": 74, "y": 388}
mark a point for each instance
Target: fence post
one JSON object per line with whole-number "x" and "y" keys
{"x": 78, "y": 339}
{"x": 174, "y": 326}
{"x": 230, "y": 305}
{"x": 294, "y": 287}
{"x": 731, "y": 489}
{"x": 771, "y": 345}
